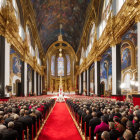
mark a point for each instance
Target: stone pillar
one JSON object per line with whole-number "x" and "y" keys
{"x": 88, "y": 81}
{"x": 138, "y": 43}
{"x": 41, "y": 79}
{"x": 38, "y": 84}
{"x": 7, "y": 66}
{"x": 25, "y": 79}
{"x": 97, "y": 77}
{"x": 2, "y": 66}
{"x": 79, "y": 83}
{"x": 32, "y": 81}
{"x": 22, "y": 78}
{"x": 114, "y": 71}
{"x": 84, "y": 83}
{"x": 35, "y": 83}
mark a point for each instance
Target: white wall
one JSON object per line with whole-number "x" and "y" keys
{"x": 7, "y": 65}
{"x": 35, "y": 82}
{"x": 114, "y": 70}
{"x": 96, "y": 85}
{"x": 25, "y": 79}
{"x": 38, "y": 84}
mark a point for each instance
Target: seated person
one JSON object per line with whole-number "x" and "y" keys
{"x": 10, "y": 133}
{"x": 137, "y": 136}
{"x": 114, "y": 134}
{"x": 105, "y": 135}
{"x": 103, "y": 126}
{"x": 127, "y": 135}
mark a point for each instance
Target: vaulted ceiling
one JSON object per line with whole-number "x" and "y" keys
{"x": 50, "y": 13}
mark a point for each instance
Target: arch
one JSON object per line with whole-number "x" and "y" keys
{"x": 127, "y": 45}
{"x": 54, "y": 47}
{"x": 18, "y": 87}
{"x": 102, "y": 88}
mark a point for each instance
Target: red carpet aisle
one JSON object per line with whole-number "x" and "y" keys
{"x": 59, "y": 125}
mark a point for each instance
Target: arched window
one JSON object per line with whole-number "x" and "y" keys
{"x": 15, "y": 8}
{"x": 90, "y": 39}
{"x": 53, "y": 65}
{"x": 2, "y": 3}
{"x": 30, "y": 41}
{"x": 68, "y": 64}
{"x": 60, "y": 66}
{"x": 119, "y": 4}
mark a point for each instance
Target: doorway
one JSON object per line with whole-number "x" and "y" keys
{"x": 102, "y": 88}
{"x": 18, "y": 88}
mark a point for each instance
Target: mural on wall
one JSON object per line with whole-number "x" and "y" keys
{"x": 29, "y": 79}
{"x": 125, "y": 57}
{"x": 92, "y": 84}
{"x": 15, "y": 71}
{"x": 49, "y": 15}
{"x": 106, "y": 70}
{"x": 129, "y": 59}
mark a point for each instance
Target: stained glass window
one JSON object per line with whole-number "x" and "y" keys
{"x": 60, "y": 66}
{"x": 53, "y": 65}
{"x": 68, "y": 64}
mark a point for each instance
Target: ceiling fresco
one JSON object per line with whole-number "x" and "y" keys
{"x": 49, "y": 15}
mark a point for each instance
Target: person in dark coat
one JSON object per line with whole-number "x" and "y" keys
{"x": 114, "y": 134}
{"x": 10, "y": 133}
{"x": 87, "y": 119}
{"x": 93, "y": 122}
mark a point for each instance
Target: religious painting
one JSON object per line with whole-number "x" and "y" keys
{"x": 106, "y": 69}
{"x": 16, "y": 65}
{"x": 49, "y": 13}
{"x": 15, "y": 71}
{"x": 125, "y": 57}
{"x": 129, "y": 59}
{"x": 29, "y": 79}
{"x": 16, "y": 62}
{"x": 131, "y": 35}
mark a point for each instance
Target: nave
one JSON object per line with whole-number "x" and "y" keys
{"x": 59, "y": 125}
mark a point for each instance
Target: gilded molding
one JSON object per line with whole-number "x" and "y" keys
{"x": 115, "y": 28}
{"x": 9, "y": 28}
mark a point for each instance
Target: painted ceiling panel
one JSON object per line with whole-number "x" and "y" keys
{"x": 49, "y": 15}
